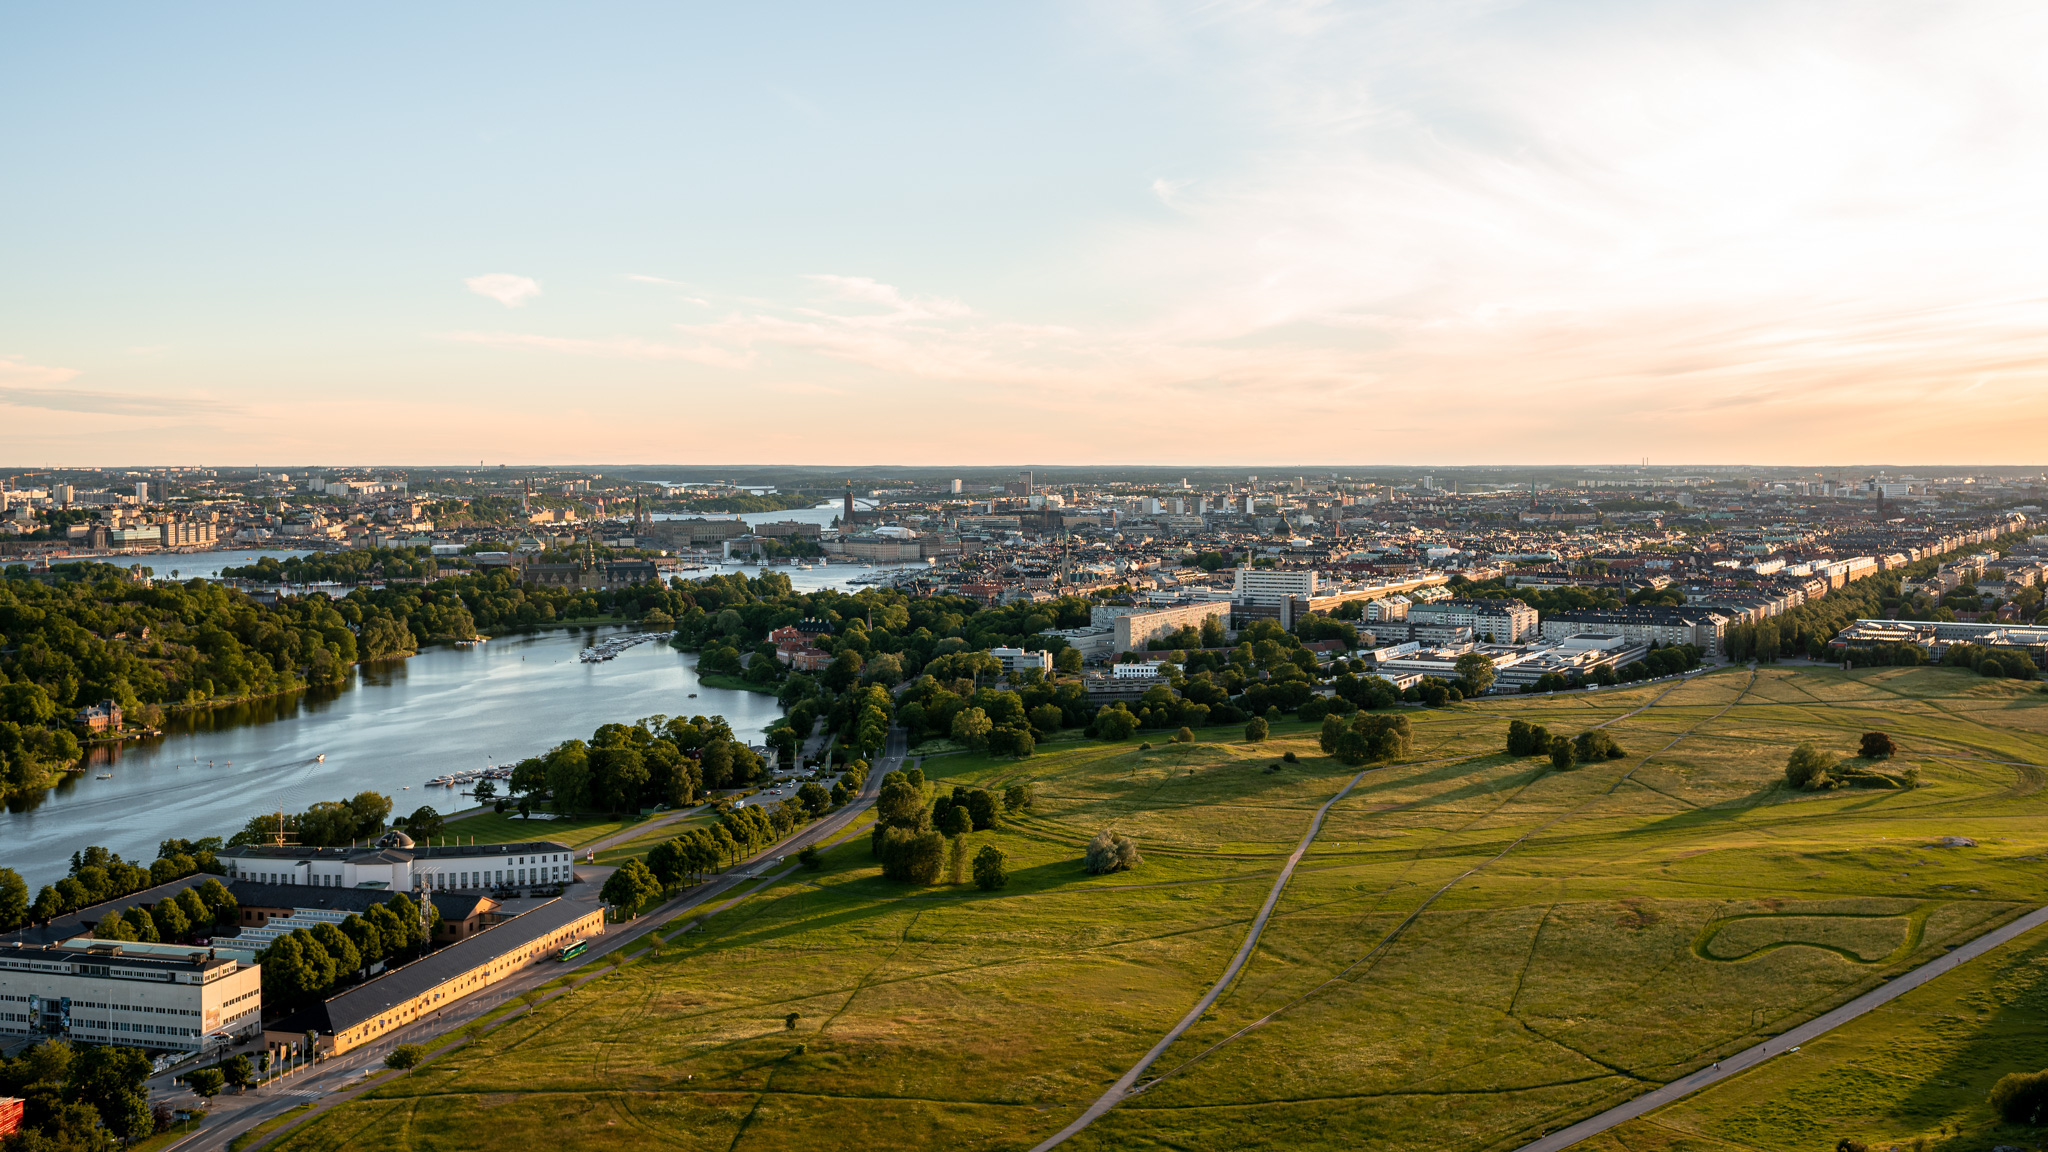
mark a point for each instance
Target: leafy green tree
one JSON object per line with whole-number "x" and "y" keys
{"x": 1874, "y": 746}
{"x": 1596, "y": 744}
{"x": 2021, "y": 1097}
{"x": 1256, "y": 730}
{"x": 424, "y": 823}
{"x": 989, "y": 870}
{"x": 1809, "y": 769}
{"x": 630, "y": 887}
{"x": 1110, "y": 852}
{"x": 1114, "y": 722}
{"x": 206, "y": 1083}
{"x": 1526, "y": 739}
{"x": 956, "y": 822}
{"x": 239, "y": 1071}
{"x": 971, "y": 727}
{"x": 1476, "y": 670}
{"x": 14, "y": 903}
{"x": 1563, "y": 755}
{"x": 1017, "y": 797}
{"x": 406, "y": 1056}
{"x": 1068, "y": 660}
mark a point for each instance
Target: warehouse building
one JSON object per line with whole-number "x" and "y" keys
{"x": 404, "y": 995}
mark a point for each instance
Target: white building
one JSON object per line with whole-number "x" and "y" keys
{"x": 396, "y": 864}
{"x": 1506, "y": 621}
{"x": 1017, "y": 659}
{"x": 150, "y": 996}
{"x": 1142, "y": 671}
{"x": 1273, "y": 585}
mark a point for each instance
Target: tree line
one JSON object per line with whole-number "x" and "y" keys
{"x": 73, "y": 1100}
{"x": 191, "y": 914}
{"x": 305, "y": 965}
{"x": 660, "y": 760}
{"x": 97, "y": 876}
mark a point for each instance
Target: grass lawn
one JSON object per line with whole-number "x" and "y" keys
{"x": 508, "y": 828}
{"x": 638, "y": 846}
{"x": 735, "y": 683}
{"x": 1475, "y": 948}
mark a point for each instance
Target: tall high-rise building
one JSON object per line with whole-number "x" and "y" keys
{"x": 956, "y": 487}
{"x": 1024, "y": 482}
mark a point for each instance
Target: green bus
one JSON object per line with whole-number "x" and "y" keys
{"x": 569, "y": 952}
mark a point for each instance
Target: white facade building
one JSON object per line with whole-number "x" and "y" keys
{"x": 150, "y": 996}
{"x": 1273, "y": 585}
{"x": 396, "y": 864}
{"x": 1017, "y": 659}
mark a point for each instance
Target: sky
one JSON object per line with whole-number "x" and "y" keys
{"x": 1052, "y": 232}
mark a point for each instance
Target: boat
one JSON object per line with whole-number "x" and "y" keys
{"x": 104, "y": 776}
{"x": 320, "y": 759}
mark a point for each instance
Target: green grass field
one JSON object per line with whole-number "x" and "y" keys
{"x": 1474, "y": 950}
{"x": 510, "y": 828}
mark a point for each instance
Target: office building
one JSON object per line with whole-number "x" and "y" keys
{"x": 1504, "y": 621}
{"x": 157, "y": 997}
{"x": 1017, "y": 659}
{"x": 1663, "y": 625}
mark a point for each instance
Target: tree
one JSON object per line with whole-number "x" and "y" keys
{"x": 1109, "y": 852}
{"x": 971, "y": 727}
{"x": 239, "y": 1072}
{"x": 2021, "y": 1097}
{"x": 1068, "y": 660}
{"x": 206, "y": 1083}
{"x": 1114, "y": 722}
{"x": 630, "y": 887}
{"x": 814, "y": 798}
{"x": 981, "y": 805}
{"x": 1016, "y": 797}
{"x": 424, "y": 823}
{"x": 1256, "y": 729}
{"x": 913, "y": 856}
{"x": 406, "y": 1056}
{"x": 1877, "y": 746}
{"x": 1186, "y": 735}
{"x": 989, "y": 871}
{"x": 13, "y": 900}
{"x": 1476, "y": 670}
{"x": 1046, "y": 718}
{"x": 956, "y": 821}
{"x": 1596, "y": 744}
{"x": 1562, "y": 753}
{"x": 484, "y": 791}
{"x": 1809, "y": 769}
{"x": 1526, "y": 739}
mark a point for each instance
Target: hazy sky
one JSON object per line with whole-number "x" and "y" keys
{"x": 986, "y": 232}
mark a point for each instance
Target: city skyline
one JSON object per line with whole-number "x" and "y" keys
{"x": 1101, "y": 234}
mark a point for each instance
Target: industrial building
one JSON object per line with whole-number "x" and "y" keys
{"x": 404, "y": 995}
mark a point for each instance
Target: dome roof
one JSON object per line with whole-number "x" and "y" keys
{"x": 395, "y": 839}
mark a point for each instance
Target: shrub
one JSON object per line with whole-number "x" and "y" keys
{"x": 1017, "y": 797}
{"x": 1876, "y": 746}
{"x": 1256, "y": 729}
{"x": 2020, "y": 1097}
{"x": 1809, "y": 769}
{"x": 1108, "y": 852}
{"x": 1526, "y": 739}
{"x": 1563, "y": 755}
{"x": 1291, "y": 758}
{"x": 989, "y": 871}
{"x": 1595, "y": 744}
{"x": 810, "y": 859}
{"x": 1185, "y": 736}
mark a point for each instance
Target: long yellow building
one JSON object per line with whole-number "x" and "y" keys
{"x": 428, "y": 985}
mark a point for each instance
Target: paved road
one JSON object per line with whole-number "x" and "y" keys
{"x": 341, "y": 1079}
{"x": 1786, "y": 1041}
{"x": 1124, "y": 1083}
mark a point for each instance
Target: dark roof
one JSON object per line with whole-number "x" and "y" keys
{"x": 366, "y": 1001}
{"x": 373, "y": 854}
{"x": 250, "y": 894}
{"x": 78, "y": 923}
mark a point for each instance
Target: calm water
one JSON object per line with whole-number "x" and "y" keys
{"x": 393, "y": 727}
{"x": 389, "y": 730}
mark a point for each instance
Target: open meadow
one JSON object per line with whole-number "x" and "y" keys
{"x": 1476, "y": 948}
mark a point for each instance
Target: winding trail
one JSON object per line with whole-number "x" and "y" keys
{"x": 1125, "y": 1085}
{"x": 1786, "y": 1041}
{"x": 1122, "y": 1087}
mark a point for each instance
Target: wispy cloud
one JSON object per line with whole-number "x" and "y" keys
{"x": 504, "y": 287}
{"x": 610, "y": 348}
